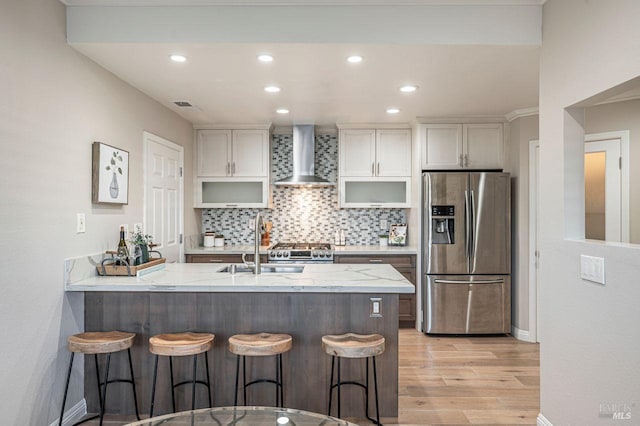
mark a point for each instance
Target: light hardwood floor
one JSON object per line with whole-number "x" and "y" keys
{"x": 462, "y": 380}
{"x": 467, "y": 380}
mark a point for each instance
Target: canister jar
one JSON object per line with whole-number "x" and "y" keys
{"x": 209, "y": 239}
{"x": 219, "y": 240}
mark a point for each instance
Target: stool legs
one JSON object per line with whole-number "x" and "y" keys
{"x": 278, "y": 381}
{"x": 102, "y": 387}
{"x": 66, "y": 388}
{"x": 365, "y": 386}
{"x": 194, "y": 380}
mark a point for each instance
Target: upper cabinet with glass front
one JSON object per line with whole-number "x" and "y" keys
{"x": 462, "y": 146}
{"x": 375, "y": 166}
{"x": 232, "y": 167}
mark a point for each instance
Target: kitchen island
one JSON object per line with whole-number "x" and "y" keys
{"x": 322, "y": 299}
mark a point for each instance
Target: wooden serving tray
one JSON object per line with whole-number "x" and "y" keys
{"x": 123, "y": 270}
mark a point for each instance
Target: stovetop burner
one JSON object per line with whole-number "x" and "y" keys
{"x": 294, "y": 252}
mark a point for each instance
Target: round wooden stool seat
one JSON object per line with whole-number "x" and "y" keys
{"x": 100, "y": 342}
{"x": 261, "y": 344}
{"x": 351, "y": 345}
{"x": 180, "y": 344}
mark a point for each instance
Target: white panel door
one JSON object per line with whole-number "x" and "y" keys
{"x": 250, "y": 153}
{"x": 393, "y": 152}
{"x": 612, "y": 188}
{"x": 442, "y": 146}
{"x": 483, "y": 146}
{"x": 163, "y": 196}
{"x": 213, "y": 153}
{"x": 358, "y": 152}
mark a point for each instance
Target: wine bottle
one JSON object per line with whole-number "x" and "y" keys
{"x": 123, "y": 251}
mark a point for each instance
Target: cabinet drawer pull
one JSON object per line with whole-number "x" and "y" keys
{"x": 373, "y": 169}
{"x": 378, "y": 174}
{"x": 215, "y": 260}
{"x": 233, "y": 168}
{"x": 231, "y": 205}
{"x": 228, "y": 169}
{"x": 375, "y": 260}
{"x": 376, "y": 205}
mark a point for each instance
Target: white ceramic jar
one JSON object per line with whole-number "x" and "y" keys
{"x": 209, "y": 239}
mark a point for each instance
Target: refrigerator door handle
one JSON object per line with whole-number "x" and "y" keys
{"x": 500, "y": 281}
{"x": 472, "y": 249}
{"x": 467, "y": 228}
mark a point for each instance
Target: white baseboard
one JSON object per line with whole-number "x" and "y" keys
{"x": 521, "y": 334}
{"x": 543, "y": 421}
{"x": 73, "y": 414}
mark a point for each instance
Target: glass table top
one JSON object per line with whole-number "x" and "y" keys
{"x": 243, "y": 416}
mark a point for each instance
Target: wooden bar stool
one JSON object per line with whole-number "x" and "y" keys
{"x": 181, "y": 344}
{"x": 94, "y": 343}
{"x": 261, "y": 344}
{"x": 352, "y": 345}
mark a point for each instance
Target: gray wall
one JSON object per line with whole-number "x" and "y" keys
{"x": 54, "y": 104}
{"x": 521, "y": 131}
{"x": 590, "y": 342}
{"x": 622, "y": 116}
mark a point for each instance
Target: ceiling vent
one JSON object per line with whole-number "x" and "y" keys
{"x": 183, "y": 104}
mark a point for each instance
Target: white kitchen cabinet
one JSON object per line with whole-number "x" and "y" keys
{"x": 232, "y": 167}
{"x": 375, "y": 167}
{"x": 462, "y": 146}
{"x": 375, "y": 152}
{"x": 232, "y": 153}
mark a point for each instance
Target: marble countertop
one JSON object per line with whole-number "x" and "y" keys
{"x": 338, "y": 250}
{"x": 202, "y": 277}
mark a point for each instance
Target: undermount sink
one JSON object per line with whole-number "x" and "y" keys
{"x": 267, "y": 269}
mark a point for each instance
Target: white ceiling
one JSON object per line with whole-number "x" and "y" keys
{"x": 225, "y": 82}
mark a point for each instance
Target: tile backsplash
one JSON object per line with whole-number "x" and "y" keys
{"x": 303, "y": 214}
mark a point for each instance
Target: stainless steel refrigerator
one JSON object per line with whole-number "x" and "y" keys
{"x": 466, "y": 282}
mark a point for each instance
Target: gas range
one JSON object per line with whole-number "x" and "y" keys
{"x": 301, "y": 253}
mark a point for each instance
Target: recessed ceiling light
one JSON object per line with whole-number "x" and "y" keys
{"x": 272, "y": 89}
{"x": 392, "y": 110}
{"x": 355, "y": 59}
{"x": 282, "y": 111}
{"x": 265, "y": 58}
{"x": 178, "y": 58}
{"x": 408, "y": 88}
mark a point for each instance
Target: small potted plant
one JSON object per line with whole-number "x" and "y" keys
{"x": 141, "y": 243}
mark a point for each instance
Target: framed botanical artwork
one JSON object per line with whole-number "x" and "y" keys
{"x": 398, "y": 234}
{"x": 110, "y": 174}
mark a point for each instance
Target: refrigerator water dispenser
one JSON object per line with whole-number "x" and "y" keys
{"x": 442, "y": 225}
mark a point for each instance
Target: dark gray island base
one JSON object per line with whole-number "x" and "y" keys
{"x": 305, "y": 316}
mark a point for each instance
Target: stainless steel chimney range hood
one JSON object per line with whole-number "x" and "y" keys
{"x": 304, "y": 142}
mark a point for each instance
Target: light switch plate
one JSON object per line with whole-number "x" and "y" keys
{"x": 383, "y": 224}
{"x": 81, "y": 223}
{"x": 592, "y": 268}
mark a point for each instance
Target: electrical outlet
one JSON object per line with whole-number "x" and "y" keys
{"x": 81, "y": 224}
{"x": 137, "y": 227}
{"x": 375, "y": 310}
{"x": 251, "y": 223}
{"x": 383, "y": 224}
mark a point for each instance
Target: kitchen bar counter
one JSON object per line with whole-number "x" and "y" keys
{"x": 315, "y": 278}
{"x": 324, "y": 299}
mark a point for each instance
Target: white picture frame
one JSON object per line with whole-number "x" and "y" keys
{"x": 110, "y": 174}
